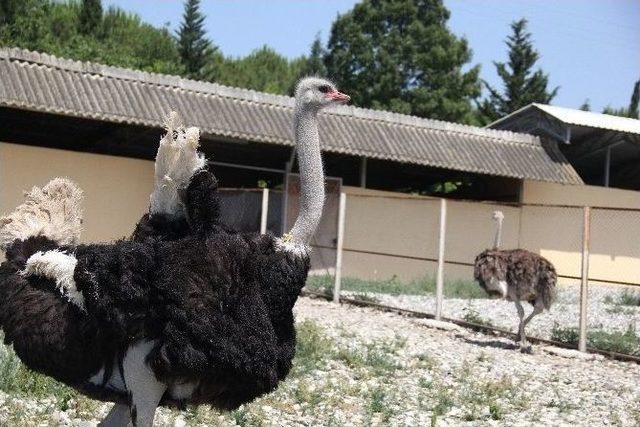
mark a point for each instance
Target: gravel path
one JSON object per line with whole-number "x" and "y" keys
{"x": 358, "y": 367}
{"x": 602, "y": 311}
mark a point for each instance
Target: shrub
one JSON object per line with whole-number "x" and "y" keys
{"x": 473, "y": 316}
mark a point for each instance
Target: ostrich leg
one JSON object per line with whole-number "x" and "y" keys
{"x": 537, "y": 309}
{"x": 146, "y": 391}
{"x": 117, "y": 417}
{"x": 522, "y": 338}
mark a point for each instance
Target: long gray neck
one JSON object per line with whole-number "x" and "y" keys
{"x": 497, "y": 241}
{"x": 311, "y": 174}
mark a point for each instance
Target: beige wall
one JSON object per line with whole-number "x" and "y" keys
{"x": 579, "y": 195}
{"x": 117, "y": 192}
{"x": 557, "y": 232}
{"x": 116, "y": 188}
{"x": 408, "y": 226}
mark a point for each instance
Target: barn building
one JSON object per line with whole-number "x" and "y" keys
{"x": 57, "y": 112}
{"x": 100, "y": 126}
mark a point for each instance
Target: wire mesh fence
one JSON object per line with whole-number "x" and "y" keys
{"x": 390, "y": 257}
{"x": 391, "y": 251}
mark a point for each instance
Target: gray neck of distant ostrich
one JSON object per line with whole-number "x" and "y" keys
{"x": 497, "y": 241}
{"x": 311, "y": 173}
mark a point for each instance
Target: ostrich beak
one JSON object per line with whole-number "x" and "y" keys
{"x": 338, "y": 97}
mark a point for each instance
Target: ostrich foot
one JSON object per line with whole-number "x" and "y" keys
{"x": 177, "y": 161}
{"x": 117, "y": 417}
{"x": 526, "y": 349}
{"x": 525, "y": 346}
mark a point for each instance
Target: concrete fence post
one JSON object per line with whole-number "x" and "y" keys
{"x": 584, "y": 282}
{"x": 265, "y": 210}
{"x": 440, "y": 273}
{"x": 342, "y": 208}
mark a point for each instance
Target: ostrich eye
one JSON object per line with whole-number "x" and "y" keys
{"x": 325, "y": 88}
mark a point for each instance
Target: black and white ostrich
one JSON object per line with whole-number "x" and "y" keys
{"x": 186, "y": 312}
{"x": 516, "y": 275}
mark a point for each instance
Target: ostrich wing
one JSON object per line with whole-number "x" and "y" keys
{"x": 202, "y": 206}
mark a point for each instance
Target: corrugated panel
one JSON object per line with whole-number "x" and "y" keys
{"x": 591, "y": 119}
{"x": 44, "y": 83}
{"x": 578, "y": 118}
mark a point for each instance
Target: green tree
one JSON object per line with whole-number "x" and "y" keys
{"x": 522, "y": 85}
{"x": 124, "y": 40}
{"x": 9, "y": 9}
{"x": 632, "y": 109}
{"x": 399, "y": 55}
{"x": 314, "y": 63}
{"x": 90, "y": 16}
{"x": 195, "y": 49}
{"x": 634, "y": 103}
{"x": 586, "y": 105}
{"x": 263, "y": 70}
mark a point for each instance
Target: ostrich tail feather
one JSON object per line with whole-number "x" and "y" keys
{"x": 177, "y": 161}
{"x": 53, "y": 211}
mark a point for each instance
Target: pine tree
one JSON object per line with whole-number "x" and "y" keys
{"x": 399, "y": 55}
{"x": 90, "y": 16}
{"x": 632, "y": 109}
{"x": 586, "y": 105}
{"x": 314, "y": 64}
{"x": 195, "y": 49}
{"x": 635, "y": 101}
{"x": 522, "y": 85}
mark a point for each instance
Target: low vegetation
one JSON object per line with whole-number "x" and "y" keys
{"x": 627, "y": 342}
{"x": 332, "y": 369}
{"x": 16, "y": 379}
{"x": 473, "y": 316}
{"x": 626, "y": 298}
{"x": 426, "y": 286}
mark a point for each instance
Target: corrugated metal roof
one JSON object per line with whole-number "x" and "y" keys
{"x": 583, "y": 118}
{"x": 40, "y": 82}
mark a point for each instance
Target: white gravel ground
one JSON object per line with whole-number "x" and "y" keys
{"x": 375, "y": 368}
{"x": 602, "y": 311}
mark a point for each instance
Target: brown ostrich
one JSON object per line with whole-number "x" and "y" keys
{"x": 516, "y": 275}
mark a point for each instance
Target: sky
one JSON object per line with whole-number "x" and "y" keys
{"x": 590, "y": 48}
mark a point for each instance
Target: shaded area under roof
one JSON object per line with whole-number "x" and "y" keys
{"x": 44, "y": 83}
{"x": 604, "y": 149}
{"x": 580, "y": 118}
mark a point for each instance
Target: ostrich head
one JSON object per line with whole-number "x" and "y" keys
{"x": 314, "y": 92}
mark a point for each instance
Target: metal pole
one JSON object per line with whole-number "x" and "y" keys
{"x": 567, "y": 135}
{"x": 584, "y": 284}
{"x": 342, "y": 207}
{"x": 363, "y": 172}
{"x": 265, "y": 210}
{"x": 607, "y": 166}
{"x": 440, "y": 274}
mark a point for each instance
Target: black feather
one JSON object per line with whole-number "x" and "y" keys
{"x": 218, "y": 305}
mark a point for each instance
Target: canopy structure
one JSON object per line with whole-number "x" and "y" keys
{"x": 604, "y": 149}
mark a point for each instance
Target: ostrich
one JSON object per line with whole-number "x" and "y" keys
{"x": 516, "y": 275}
{"x": 186, "y": 312}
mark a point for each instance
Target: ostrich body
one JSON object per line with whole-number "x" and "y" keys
{"x": 187, "y": 311}
{"x": 516, "y": 275}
